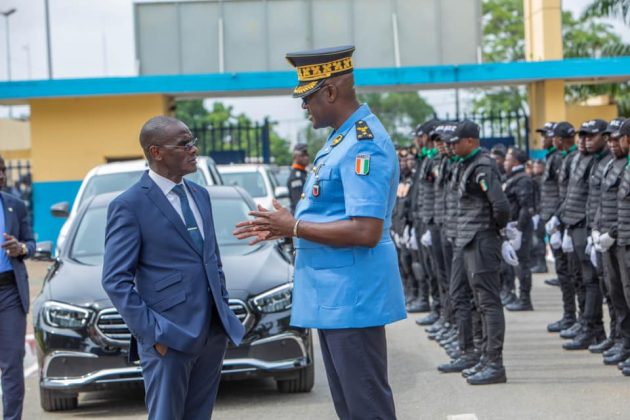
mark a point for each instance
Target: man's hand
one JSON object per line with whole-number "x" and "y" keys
{"x": 161, "y": 349}
{"x": 267, "y": 225}
{"x": 12, "y": 246}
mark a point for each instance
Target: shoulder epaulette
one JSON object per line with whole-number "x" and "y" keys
{"x": 363, "y": 131}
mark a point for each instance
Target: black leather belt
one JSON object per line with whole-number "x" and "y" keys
{"x": 7, "y": 278}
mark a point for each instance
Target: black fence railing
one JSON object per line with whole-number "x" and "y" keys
{"x": 235, "y": 143}
{"x": 509, "y": 128}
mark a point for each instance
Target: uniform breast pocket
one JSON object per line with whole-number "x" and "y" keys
{"x": 328, "y": 186}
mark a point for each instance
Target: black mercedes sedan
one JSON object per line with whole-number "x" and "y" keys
{"x": 82, "y": 342}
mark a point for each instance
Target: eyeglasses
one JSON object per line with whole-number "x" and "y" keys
{"x": 186, "y": 147}
{"x": 312, "y": 94}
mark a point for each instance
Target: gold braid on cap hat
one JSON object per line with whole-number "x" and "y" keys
{"x": 304, "y": 88}
{"x": 324, "y": 70}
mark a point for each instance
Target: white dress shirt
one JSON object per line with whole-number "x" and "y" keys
{"x": 166, "y": 185}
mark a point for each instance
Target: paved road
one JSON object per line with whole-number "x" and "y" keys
{"x": 544, "y": 382}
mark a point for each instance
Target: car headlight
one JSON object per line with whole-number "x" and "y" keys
{"x": 274, "y": 300}
{"x": 62, "y": 315}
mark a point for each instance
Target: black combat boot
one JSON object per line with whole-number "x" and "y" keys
{"x": 466, "y": 373}
{"x": 466, "y": 360}
{"x": 552, "y": 282}
{"x": 562, "y": 324}
{"x": 623, "y": 355}
{"x": 492, "y": 373}
{"x": 585, "y": 338}
{"x": 571, "y": 332}
{"x": 523, "y": 303}
{"x": 429, "y": 319}
{"x": 613, "y": 350}
{"x": 418, "y": 305}
{"x": 608, "y": 343}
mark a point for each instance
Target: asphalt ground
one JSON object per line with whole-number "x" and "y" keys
{"x": 544, "y": 381}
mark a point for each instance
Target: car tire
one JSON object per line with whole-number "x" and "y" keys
{"x": 57, "y": 401}
{"x": 303, "y": 383}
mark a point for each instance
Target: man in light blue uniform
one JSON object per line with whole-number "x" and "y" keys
{"x": 347, "y": 283}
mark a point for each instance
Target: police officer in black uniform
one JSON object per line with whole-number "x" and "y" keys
{"x": 519, "y": 190}
{"x": 297, "y": 176}
{"x": 554, "y": 191}
{"x": 605, "y": 228}
{"x": 483, "y": 210}
{"x": 539, "y": 248}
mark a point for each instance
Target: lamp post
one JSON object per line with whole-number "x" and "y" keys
{"x": 6, "y": 15}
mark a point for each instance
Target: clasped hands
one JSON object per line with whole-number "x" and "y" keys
{"x": 267, "y": 225}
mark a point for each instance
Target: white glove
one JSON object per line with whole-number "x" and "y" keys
{"x": 552, "y": 225}
{"x": 517, "y": 240}
{"x": 595, "y": 236}
{"x": 605, "y": 242}
{"x": 413, "y": 241}
{"x": 555, "y": 240}
{"x": 589, "y": 245}
{"x": 405, "y": 237}
{"x": 510, "y": 229}
{"x": 593, "y": 255}
{"x": 535, "y": 221}
{"x": 567, "y": 243}
{"x": 508, "y": 254}
{"x": 426, "y": 239}
{"x": 397, "y": 239}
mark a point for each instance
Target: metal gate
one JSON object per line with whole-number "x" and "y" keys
{"x": 20, "y": 181}
{"x": 235, "y": 143}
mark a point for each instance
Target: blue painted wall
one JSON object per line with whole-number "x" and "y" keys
{"x": 45, "y": 194}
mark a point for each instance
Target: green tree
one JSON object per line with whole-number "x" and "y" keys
{"x": 618, "y": 9}
{"x": 503, "y": 41}
{"x": 217, "y": 124}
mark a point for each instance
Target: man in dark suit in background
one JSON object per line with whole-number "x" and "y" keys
{"x": 163, "y": 272}
{"x": 17, "y": 244}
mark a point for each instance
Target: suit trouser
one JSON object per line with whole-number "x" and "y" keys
{"x": 12, "y": 333}
{"x": 618, "y": 257}
{"x": 567, "y": 287}
{"x": 356, "y": 366}
{"x": 181, "y": 385}
{"x": 439, "y": 266}
{"x": 593, "y": 315}
{"x": 482, "y": 261}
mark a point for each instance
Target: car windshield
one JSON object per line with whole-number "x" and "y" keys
{"x": 252, "y": 182}
{"x": 89, "y": 238}
{"x": 101, "y": 184}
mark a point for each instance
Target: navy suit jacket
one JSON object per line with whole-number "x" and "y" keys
{"x": 162, "y": 286}
{"x": 17, "y": 223}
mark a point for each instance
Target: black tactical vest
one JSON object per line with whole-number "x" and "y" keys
{"x": 400, "y": 214}
{"x": 595, "y": 185}
{"x": 577, "y": 192}
{"x": 607, "y": 218}
{"x": 440, "y": 190}
{"x": 452, "y": 199}
{"x": 550, "y": 192}
{"x": 623, "y": 209}
{"x": 474, "y": 213}
{"x": 565, "y": 174}
{"x": 428, "y": 189}
{"x": 415, "y": 185}
{"x": 511, "y": 188}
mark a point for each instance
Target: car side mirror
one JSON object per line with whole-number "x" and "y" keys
{"x": 43, "y": 251}
{"x": 281, "y": 192}
{"x": 60, "y": 209}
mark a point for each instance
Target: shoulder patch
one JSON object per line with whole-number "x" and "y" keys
{"x": 363, "y": 131}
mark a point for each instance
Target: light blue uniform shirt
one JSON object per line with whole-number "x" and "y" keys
{"x": 349, "y": 287}
{"x": 5, "y": 263}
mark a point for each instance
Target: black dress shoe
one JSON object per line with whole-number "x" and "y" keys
{"x": 613, "y": 350}
{"x": 429, "y": 319}
{"x": 520, "y": 305}
{"x": 492, "y": 373}
{"x": 465, "y": 361}
{"x": 626, "y": 371}
{"x": 602, "y": 347}
{"x": 552, "y": 282}
{"x": 572, "y": 331}
{"x": 436, "y": 327}
{"x": 623, "y": 355}
{"x": 624, "y": 364}
{"x": 540, "y": 268}
{"x": 508, "y": 298}
{"x": 561, "y": 324}
{"x": 585, "y": 338}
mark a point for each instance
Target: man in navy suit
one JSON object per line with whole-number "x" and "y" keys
{"x": 162, "y": 270}
{"x": 17, "y": 244}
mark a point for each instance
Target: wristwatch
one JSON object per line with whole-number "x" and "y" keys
{"x": 23, "y": 249}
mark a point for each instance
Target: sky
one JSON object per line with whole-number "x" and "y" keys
{"x": 94, "y": 38}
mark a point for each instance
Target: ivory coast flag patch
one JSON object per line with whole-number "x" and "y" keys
{"x": 362, "y": 165}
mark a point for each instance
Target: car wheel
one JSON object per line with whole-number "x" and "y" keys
{"x": 57, "y": 401}
{"x": 303, "y": 383}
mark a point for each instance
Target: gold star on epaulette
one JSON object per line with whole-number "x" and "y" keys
{"x": 337, "y": 140}
{"x": 363, "y": 131}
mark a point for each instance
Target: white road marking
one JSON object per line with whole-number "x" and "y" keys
{"x": 469, "y": 416}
